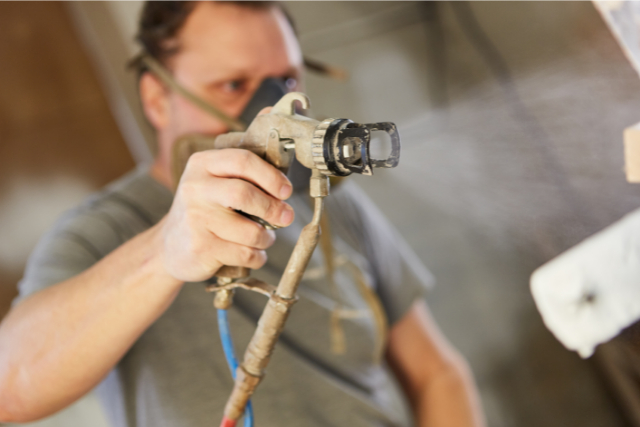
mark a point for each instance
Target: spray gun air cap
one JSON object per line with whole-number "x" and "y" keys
{"x": 341, "y": 147}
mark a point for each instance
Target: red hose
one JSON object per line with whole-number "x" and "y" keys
{"x": 226, "y": 422}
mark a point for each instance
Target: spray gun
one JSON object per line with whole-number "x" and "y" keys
{"x": 332, "y": 147}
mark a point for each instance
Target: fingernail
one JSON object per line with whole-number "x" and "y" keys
{"x": 287, "y": 216}
{"x": 285, "y": 191}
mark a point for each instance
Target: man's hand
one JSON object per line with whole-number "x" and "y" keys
{"x": 203, "y": 232}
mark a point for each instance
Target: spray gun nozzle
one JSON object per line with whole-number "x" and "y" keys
{"x": 346, "y": 147}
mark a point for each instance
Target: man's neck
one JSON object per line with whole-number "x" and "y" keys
{"x": 160, "y": 172}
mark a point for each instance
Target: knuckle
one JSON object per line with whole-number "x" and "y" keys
{"x": 271, "y": 212}
{"x": 255, "y": 234}
{"x": 229, "y": 195}
{"x": 189, "y": 189}
{"x": 196, "y": 160}
{"x": 246, "y": 255}
{"x": 239, "y": 193}
{"x": 192, "y": 223}
{"x": 240, "y": 159}
{"x": 245, "y": 162}
{"x": 277, "y": 178}
{"x": 245, "y": 156}
{"x": 274, "y": 210}
{"x": 198, "y": 245}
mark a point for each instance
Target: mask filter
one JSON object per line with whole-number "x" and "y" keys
{"x": 269, "y": 92}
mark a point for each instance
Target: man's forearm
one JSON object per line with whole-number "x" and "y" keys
{"x": 449, "y": 399}
{"x": 60, "y": 342}
{"x": 435, "y": 377}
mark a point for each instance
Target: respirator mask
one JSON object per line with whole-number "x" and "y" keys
{"x": 270, "y": 91}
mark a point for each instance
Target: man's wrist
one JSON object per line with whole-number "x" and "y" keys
{"x": 155, "y": 261}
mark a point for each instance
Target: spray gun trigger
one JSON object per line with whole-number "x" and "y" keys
{"x": 259, "y": 220}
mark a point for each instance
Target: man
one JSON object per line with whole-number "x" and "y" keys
{"x": 106, "y": 288}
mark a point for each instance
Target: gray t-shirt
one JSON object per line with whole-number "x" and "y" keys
{"x": 175, "y": 375}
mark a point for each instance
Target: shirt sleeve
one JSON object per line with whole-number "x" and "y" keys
{"x": 400, "y": 277}
{"x": 65, "y": 251}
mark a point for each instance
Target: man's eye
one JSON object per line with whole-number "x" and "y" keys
{"x": 233, "y": 86}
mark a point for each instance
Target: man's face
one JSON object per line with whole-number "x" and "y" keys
{"x": 226, "y": 51}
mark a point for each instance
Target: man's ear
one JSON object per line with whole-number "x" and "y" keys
{"x": 155, "y": 100}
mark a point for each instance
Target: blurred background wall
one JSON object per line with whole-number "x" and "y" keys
{"x": 510, "y": 114}
{"x": 58, "y": 140}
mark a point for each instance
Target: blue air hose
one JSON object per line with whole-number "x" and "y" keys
{"x": 229, "y": 354}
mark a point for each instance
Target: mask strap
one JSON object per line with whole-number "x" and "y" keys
{"x": 160, "y": 72}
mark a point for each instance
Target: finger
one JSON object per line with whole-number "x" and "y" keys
{"x": 235, "y": 228}
{"x": 243, "y": 164}
{"x": 246, "y": 197}
{"x": 229, "y": 253}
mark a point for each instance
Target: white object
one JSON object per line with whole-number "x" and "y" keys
{"x": 623, "y": 19}
{"x": 588, "y": 294}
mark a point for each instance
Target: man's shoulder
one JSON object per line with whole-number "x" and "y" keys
{"x": 122, "y": 209}
{"x": 102, "y": 222}
{"x": 136, "y": 193}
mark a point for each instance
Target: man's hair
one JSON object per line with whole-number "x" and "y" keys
{"x": 161, "y": 21}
